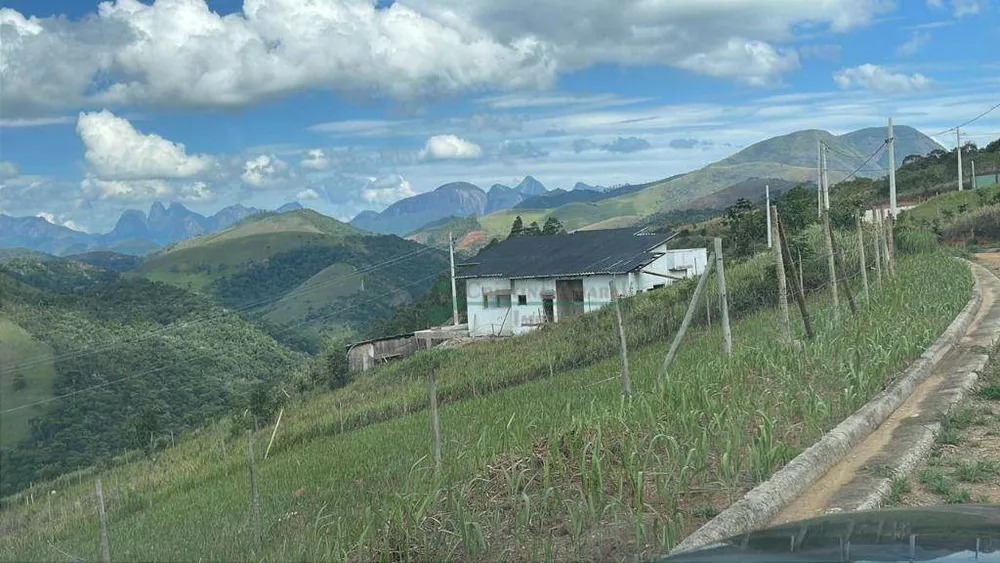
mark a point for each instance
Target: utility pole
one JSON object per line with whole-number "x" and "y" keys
{"x": 826, "y": 183}
{"x": 767, "y": 197}
{"x": 819, "y": 178}
{"x": 973, "y": 174}
{"x": 958, "y": 151}
{"x": 727, "y": 334}
{"x": 892, "y": 170}
{"x": 828, "y": 236}
{"x": 454, "y": 288}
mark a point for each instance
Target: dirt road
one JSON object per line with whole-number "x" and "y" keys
{"x": 851, "y": 482}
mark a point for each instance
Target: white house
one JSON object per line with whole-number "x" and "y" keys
{"x": 523, "y": 282}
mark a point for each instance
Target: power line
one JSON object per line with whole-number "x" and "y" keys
{"x": 973, "y": 120}
{"x": 88, "y": 350}
{"x": 211, "y": 355}
{"x": 867, "y": 160}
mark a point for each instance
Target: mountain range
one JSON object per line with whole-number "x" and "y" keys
{"x": 459, "y": 199}
{"x": 135, "y": 232}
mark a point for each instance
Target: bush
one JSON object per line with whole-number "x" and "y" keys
{"x": 909, "y": 241}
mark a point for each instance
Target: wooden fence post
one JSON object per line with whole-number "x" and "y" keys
{"x": 831, "y": 265}
{"x": 254, "y": 497}
{"x": 105, "y": 545}
{"x": 699, "y": 290}
{"x": 843, "y": 271}
{"x": 626, "y": 381}
{"x": 727, "y": 335}
{"x": 863, "y": 261}
{"x": 779, "y": 269}
{"x": 435, "y": 424}
{"x": 878, "y": 248}
{"x": 273, "y": 433}
{"x": 800, "y": 296}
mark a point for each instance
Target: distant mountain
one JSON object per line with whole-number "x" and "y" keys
{"x": 293, "y": 206}
{"x": 909, "y": 141}
{"x": 529, "y": 186}
{"x": 582, "y": 186}
{"x": 406, "y": 215}
{"x": 134, "y": 233}
{"x": 502, "y": 197}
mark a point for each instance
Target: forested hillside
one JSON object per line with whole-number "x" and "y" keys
{"x": 134, "y": 363}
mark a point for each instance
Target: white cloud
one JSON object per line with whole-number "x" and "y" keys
{"x": 961, "y": 8}
{"x": 315, "y": 159}
{"x": 307, "y": 194}
{"x": 447, "y": 147}
{"x": 130, "y": 191}
{"x": 60, "y": 220}
{"x": 180, "y": 53}
{"x": 197, "y": 192}
{"x": 35, "y": 121}
{"x": 387, "y": 190}
{"x": 8, "y": 170}
{"x": 875, "y": 77}
{"x": 917, "y": 40}
{"x": 754, "y": 62}
{"x": 115, "y": 150}
{"x": 264, "y": 171}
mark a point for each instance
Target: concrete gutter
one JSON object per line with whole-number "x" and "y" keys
{"x": 759, "y": 506}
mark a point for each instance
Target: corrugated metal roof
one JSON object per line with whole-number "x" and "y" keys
{"x": 607, "y": 251}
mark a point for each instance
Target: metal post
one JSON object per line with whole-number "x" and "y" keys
{"x": 727, "y": 335}
{"x": 877, "y": 245}
{"x": 626, "y": 381}
{"x": 892, "y": 171}
{"x": 454, "y": 287}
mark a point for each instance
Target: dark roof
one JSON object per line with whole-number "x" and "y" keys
{"x": 380, "y": 339}
{"x": 608, "y": 251}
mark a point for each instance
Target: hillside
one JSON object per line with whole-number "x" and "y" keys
{"x": 134, "y": 361}
{"x": 307, "y": 277}
{"x": 541, "y": 456}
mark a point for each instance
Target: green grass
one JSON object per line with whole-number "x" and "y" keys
{"x": 533, "y": 464}
{"x": 315, "y": 293}
{"x": 899, "y": 486}
{"x": 978, "y": 471}
{"x": 20, "y": 386}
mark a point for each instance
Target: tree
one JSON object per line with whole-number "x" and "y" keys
{"x": 797, "y": 208}
{"x": 517, "y": 229}
{"x": 552, "y": 227}
{"x": 993, "y": 147}
{"x": 747, "y": 226}
{"x": 532, "y": 230}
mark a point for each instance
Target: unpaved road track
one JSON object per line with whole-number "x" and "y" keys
{"x": 850, "y": 482}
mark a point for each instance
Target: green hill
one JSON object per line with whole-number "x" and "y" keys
{"x": 132, "y": 362}
{"x": 308, "y": 278}
{"x": 542, "y": 457}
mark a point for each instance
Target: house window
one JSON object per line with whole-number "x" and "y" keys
{"x": 486, "y": 301}
{"x": 502, "y": 300}
{"x": 522, "y": 299}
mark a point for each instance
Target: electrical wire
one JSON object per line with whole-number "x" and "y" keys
{"x": 973, "y": 120}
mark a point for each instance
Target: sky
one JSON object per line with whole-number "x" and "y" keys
{"x": 347, "y": 105}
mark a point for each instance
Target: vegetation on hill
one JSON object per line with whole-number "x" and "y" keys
{"x": 131, "y": 363}
{"x": 542, "y": 456}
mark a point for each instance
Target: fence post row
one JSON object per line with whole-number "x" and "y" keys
{"x": 727, "y": 334}
{"x": 796, "y": 275}
{"x": 877, "y": 246}
{"x": 779, "y": 265}
{"x": 626, "y": 381}
{"x": 843, "y": 272}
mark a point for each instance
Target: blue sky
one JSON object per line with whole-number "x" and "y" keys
{"x": 346, "y": 105}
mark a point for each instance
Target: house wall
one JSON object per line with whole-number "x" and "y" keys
{"x": 364, "y": 357}
{"x": 489, "y": 321}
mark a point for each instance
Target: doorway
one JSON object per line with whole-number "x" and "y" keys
{"x": 569, "y": 298}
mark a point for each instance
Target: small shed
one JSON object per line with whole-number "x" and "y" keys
{"x": 365, "y": 355}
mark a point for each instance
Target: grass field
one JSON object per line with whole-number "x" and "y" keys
{"x": 948, "y": 205}
{"x": 542, "y": 456}
{"x": 20, "y": 386}
{"x": 315, "y": 293}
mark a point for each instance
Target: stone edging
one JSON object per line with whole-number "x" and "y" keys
{"x": 759, "y": 506}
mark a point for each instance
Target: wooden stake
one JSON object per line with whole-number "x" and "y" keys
{"x": 890, "y": 243}
{"x": 626, "y": 381}
{"x": 273, "y": 432}
{"x": 105, "y": 545}
{"x": 254, "y": 497}
{"x": 727, "y": 335}
{"x": 802, "y": 282}
{"x": 799, "y": 290}
{"x": 843, "y": 271}
{"x": 831, "y": 265}
{"x": 699, "y": 290}
{"x": 779, "y": 269}
{"x": 878, "y": 248}
{"x": 435, "y": 425}
{"x": 885, "y": 245}
{"x": 862, "y": 260}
